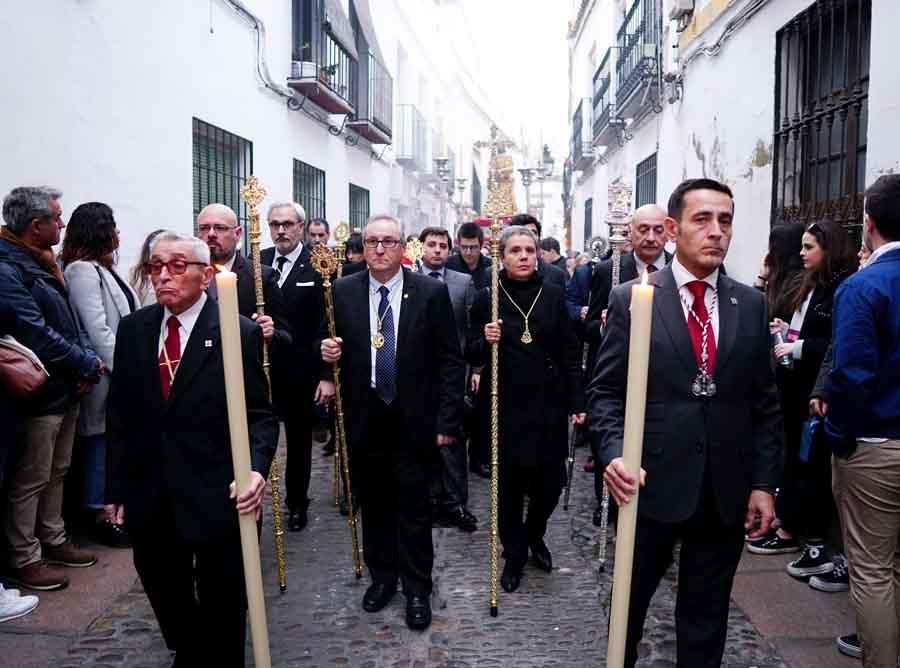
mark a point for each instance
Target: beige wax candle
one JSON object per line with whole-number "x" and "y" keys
{"x": 226, "y": 285}
{"x": 635, "y": 405}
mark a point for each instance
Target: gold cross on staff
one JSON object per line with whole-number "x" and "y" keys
{"x": 253, "y": 192}
{"x": 323, "y": 261}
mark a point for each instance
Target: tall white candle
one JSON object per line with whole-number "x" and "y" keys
{"x": 635, "y": 407}
{"x": 226, "y": 285}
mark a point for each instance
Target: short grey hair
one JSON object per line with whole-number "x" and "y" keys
{"x": 200, "y": 249}
{"x": 515, "y": 231}
{"x": 298, "y": 209}
{"x": 24, "y": 204}
{"x": 389, "y": 218}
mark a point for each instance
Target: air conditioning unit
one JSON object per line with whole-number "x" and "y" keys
{"x": 681, "y": 9}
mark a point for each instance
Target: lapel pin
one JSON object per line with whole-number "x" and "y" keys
{"x": 207, "y": 343}
{"x": 734, "y": 300}
{"x": 406, "y": 296}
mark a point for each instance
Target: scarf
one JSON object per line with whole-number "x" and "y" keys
{"x": 45, "y": 258}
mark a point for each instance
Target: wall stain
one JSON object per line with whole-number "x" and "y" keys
{"x": 701, "y": 156}
{"x": 762, "y": 154}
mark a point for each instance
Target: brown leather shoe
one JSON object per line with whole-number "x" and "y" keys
{"x": 38, "y": 576}
{"x": 68, "y": 554}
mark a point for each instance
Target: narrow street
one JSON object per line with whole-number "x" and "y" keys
{"x": 103, "y": 619}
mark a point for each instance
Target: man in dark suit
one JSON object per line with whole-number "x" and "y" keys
{"x": 402, "y": 381}
{"x": 169, "y": 458}
{"x": 450, "y": 485}
{"x": 647, "y": 235}
{"x": 218, "y": 228}
{"x": 713, "y": 441}
{"x": 295, "y": 368}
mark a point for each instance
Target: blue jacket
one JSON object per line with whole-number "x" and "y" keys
{"x": 578, "y": 290}
{"x": 47, "y": 324}
{"x": 864, "y": 384}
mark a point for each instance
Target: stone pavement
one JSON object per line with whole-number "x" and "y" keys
{"x": 556, "y": 619}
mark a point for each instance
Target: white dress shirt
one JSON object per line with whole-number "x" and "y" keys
{"x": 396, "y": 296}
{"x": 186, "y": 321}
{"x": 291, "y": 259}
{"x": 425, "y": 269}
{"x": 659, "y": 263}
{"x": 682, "y": 278}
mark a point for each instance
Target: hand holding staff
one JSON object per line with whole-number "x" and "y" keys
{"x": 253, "y": 193}
{"x": 324, "y": 262}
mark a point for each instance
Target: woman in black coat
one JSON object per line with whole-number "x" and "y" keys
{"x": 540, "y": 386}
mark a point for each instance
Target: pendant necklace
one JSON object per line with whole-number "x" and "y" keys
{"x": 526, "y": 335}
{"x": 703, "y": 384}
{"x": 378, "y": 337}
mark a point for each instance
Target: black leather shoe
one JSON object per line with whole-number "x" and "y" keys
{"x": 481, "y": 470}
{"x": 377, "y": 596}
{"x": 465, "y": 520}
{"x": 109, "y": 534}
{"x": 328, "y": 448}
{"x": 418, "y": 612}
{"x": 541, "y": 556}
{"x": 598, "y": 516}
{"x": 297, "y": 520}
{"x": 511, "y": 578}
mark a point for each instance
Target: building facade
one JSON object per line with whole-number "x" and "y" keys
{"x": 161, "y": 108}
{"x": 773, "y": 97}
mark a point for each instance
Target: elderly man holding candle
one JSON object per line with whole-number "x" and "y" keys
{"x": 170, "y": 460}
{"x": 713, "y": 439}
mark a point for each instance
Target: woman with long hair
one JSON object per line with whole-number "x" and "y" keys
{"x": 139, "y": 278}
{"x": 805, "y": 506}
{"x": 101, "y": 298}
{"x": 782, "y": 262}
{"x": 540, "y": 387}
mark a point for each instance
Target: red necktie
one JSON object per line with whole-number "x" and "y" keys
{"x": 698, "y": 309}
{"x": 169, "y": 356}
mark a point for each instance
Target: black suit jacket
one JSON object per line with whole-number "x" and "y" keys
{"x": 552, "y": 274}
{"x": 738, "y": 432}
{"x": 295, "y": 367}
{"x": 430, "y": 368}
{"x": 274, "y": 307}
{"x": 178, "y": 451}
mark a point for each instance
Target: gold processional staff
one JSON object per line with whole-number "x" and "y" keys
{"x": 326, "y": 264}
{"x": 253, "y": 193}
{"x": 341, "y": 234}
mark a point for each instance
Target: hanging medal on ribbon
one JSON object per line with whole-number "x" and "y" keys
{"x": 703, "y": 384}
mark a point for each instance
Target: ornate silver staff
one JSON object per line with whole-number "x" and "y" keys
{"x": 618, "y": 217}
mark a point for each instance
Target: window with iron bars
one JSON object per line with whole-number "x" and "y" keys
{"x": 821, "y": 103}
{"x": 222, "y": 161}
{"x": 309, "y": 189}
{"x": 645, "y": 182}
{"x": 588, "y": 220}
{"x": 359, "y": 208}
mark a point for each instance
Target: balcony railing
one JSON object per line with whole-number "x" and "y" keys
{"x": 410, "y": 138}
{"x": 602, "y": 95}
{"x": 582, "y": 150}
{"x": 329, "y": 78}
{"x": 373, "y": 100}
{"x": 638, "y": 48}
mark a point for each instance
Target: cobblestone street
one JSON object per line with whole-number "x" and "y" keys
{"x": 556, "y": 619}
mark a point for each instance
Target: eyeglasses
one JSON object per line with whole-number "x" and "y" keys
{"x": 466, "y": 248}
{"x": 220, "y": 229}
{"x": 386, "y": 243}
{"x": 175, "y": 267}
{"x": 284, "y": 224}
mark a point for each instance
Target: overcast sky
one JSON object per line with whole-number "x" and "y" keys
{"x": 524, "y": 64}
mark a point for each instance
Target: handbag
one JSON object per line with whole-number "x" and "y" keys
{"x": 21, "y": 372}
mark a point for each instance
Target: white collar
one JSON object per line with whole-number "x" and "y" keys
{"x": 227, "y": 265}
{"x": 881, "y": 250}
{"x": 292, "y": 256}
{"x": 683, "y": 276}
{"x": 390, "y": 284}
{"x": 188, "y": 318}
{"x": 659, "y": 262}
{"x": 425, "y": 269}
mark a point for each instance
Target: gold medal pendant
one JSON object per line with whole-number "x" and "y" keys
{"x": 526, "y": 337}
{"x": 377, "y": 340}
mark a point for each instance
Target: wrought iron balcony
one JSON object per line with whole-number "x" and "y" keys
{"x": 327, "y": 75}
{"x": 372, "y": 99}
{"x": 602, "y": 98}
{"x": 638, "y": 52}
{"x": 411, "y": 141}
{"x": 582, "y": 149}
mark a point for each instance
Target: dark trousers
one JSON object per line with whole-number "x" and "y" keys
{"x": 710, "y": 552}
{"x": 449, "y": 486}
{"x": 478, "y": 427}
{"x": 298, "y": 461}
{"x": 197, "y": 593}
{"x": 543, "y": 489}
{"x": 391, "y": 476}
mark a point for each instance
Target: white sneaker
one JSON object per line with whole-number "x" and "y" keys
{"x": 12, "y": 607}
{"x": 11, "y": 593}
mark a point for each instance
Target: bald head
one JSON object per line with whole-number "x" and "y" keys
{"x": 648, "y": 233}
{"x": 217, "y": 226}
